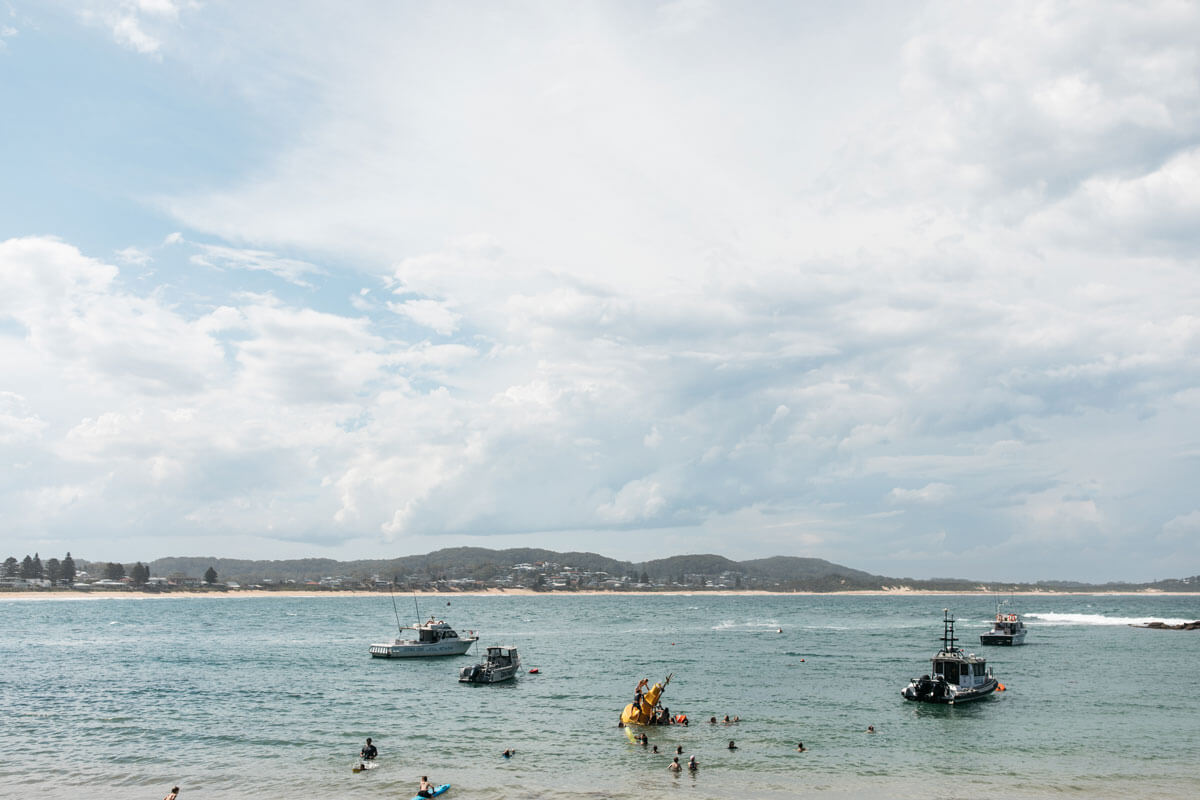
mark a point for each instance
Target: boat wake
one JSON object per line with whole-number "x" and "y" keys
{"x": 1051, "y": 618}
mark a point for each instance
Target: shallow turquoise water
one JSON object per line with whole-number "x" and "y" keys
{"x": 272, "y": 697}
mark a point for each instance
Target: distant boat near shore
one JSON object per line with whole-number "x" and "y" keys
{"x": 1007, "y": 629}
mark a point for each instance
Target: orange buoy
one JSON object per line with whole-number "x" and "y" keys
{"x": 1000, "y": 687}
{"x": 535, "y": 671}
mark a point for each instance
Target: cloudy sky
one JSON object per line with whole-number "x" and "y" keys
{"x": 911, "y": 287}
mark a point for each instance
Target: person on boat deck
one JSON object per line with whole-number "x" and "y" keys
{"x": 692, "y": 765}
{"x": 427, "y": 788}
{"x": 369, "y": 750}
{"x": 674, "y": 765}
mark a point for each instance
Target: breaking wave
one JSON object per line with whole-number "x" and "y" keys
{"x": 1050, "y": 618}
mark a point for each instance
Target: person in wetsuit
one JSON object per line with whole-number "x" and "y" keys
{"x": 369, "y": 750}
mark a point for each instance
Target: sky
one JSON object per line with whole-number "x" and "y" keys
{"x": 911, "y": 287}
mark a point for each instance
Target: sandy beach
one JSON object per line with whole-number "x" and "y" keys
{"x": 105, "y": 594}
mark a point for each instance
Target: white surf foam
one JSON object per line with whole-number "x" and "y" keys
{"x": 1051, "y": 618}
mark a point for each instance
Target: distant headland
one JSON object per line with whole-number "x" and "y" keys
{"x": 477, "y": 569}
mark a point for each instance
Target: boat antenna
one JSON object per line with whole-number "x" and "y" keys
{"x": 948, "y": 639}
{"x": 392, "y": 592}
{"x": 417, "y": 607}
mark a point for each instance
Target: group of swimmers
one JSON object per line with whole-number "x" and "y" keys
{"x": 370, "y": 752}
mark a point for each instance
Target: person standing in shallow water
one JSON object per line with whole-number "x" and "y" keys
{"x": 674, "y": 765}
{"x": 173, "y": 794}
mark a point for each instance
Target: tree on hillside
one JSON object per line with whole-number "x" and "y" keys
{"x": 11, "y": 568}
{"x": 38, "y": 571}
{"x": 68, "y": 569}
{"x": 53, "y": 571}
{"x": 210, "y": 576}
{"x": 114, "y": 572}
{"x": 27, "y": 567}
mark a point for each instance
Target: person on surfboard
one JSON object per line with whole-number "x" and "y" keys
{"x": 427, "y": 788}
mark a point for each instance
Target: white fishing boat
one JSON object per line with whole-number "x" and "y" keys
{"x": 502, "y": 663}
{"x": 1006, "y": 629}
{"x": 433, "y": 638}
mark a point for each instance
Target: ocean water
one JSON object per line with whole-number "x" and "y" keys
{"x": 272, "y": 697}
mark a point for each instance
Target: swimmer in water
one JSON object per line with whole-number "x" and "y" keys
{"x": 870, "y": 729}
{"x": 427, "y": 788}
{"x": 692, "y": 765}
{"x": 732, "y": 746}
{"x": 674, "y": 765}
{"x": 800, "y": 747}
{"x": 508, "y": 753}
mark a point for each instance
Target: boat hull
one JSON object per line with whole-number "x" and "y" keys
{"x": 1002, "y": 639}
{"x": 958, "y": 698}
{"x": 494, "y": 676}
{"x": 451, "y": 647}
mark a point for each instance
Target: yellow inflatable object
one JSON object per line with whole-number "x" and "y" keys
{"x": 640, "y": 714}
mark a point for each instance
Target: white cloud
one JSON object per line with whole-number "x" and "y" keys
{"x": 681, "y": 279}
{"x": 133, "y": 256}
{"x": 429, "y": 313}
{"x": 930, "y": 493}
{"x": 221, "y": 257}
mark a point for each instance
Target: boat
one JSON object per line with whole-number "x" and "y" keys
{"x": 1006, "y": 629}
{"x": 434, "y": 638}
{"x": 956, "y": 676}
{"x": 502, "y": 664}
{"x": 641, "y": 711}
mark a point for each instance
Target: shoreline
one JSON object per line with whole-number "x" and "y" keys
{"x": 73, "y": 594}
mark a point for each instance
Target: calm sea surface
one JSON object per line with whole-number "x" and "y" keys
{"x": 272, "y": 697}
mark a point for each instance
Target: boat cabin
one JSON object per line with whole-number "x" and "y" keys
{"x": 500, "y": 656}
{"x": 967, "y": 671}
{"x": 434, "y": 631}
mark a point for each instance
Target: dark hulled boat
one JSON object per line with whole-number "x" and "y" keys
{"x": 956, "y": 676}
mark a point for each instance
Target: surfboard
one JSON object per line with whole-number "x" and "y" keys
{"x": 436, "y": 791}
